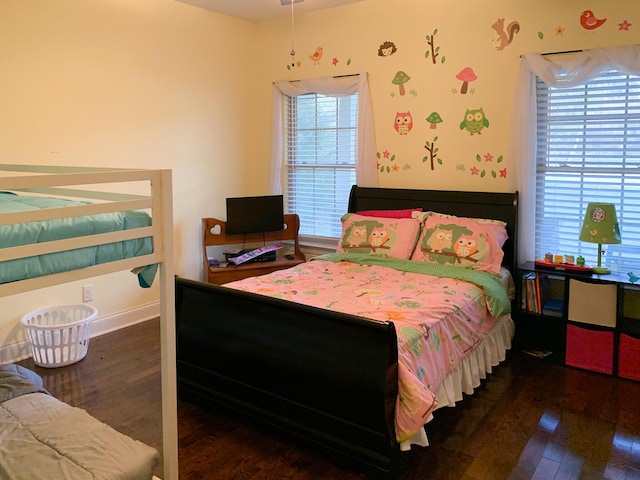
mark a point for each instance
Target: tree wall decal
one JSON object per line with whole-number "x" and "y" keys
{"x": 434, "y": 51}
{"x": 432, "y": 157}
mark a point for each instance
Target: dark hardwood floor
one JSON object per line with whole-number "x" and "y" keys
{"x": 529, "y": 420}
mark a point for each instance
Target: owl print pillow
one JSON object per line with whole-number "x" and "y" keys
{"x": 383, "y": 237}
{"x": 461, "y": 242}
{"x": 496, "y": 228}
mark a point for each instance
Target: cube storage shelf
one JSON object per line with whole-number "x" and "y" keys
{"x": 578, "y": 320}
{"x": 629, "y": 349}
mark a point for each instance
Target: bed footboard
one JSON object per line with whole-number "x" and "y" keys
{"x": 327, "y": 378}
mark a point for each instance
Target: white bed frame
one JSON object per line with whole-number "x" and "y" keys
{"x": 56, "y": 181}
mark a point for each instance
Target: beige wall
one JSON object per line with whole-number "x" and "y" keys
{"x": 159, "y": 83}
{"x": 129, "y": 83}
{"x": 352, "y": 34}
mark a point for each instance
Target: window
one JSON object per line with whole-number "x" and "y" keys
{"x": 588, "y": 150}
{"x": 320, "y": 152}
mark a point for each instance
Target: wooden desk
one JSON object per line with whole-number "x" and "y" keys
{"x": 214, "y": 234}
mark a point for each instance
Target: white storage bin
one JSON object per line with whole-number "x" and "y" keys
{"x": 59, "y": 335}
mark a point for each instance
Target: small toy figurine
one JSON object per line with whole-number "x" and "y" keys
{"x": 632, "y": 277}
{"x": 580, "y": 261}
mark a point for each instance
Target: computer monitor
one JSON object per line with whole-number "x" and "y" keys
{"x": 255, "y": 214}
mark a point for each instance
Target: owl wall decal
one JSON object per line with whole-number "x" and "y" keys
{"x": 474, "y": 121}
{"x": 403, "y": 122}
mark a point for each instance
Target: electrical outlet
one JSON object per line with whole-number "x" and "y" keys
{"x": 87, "y": 293}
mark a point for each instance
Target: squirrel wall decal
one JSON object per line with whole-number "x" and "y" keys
{"x": 505, "y": 35}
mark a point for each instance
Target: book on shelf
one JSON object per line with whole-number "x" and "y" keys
{"x": 553, "y": 307}
{"x": 534, "y": 296}
{"x": 530, "y": 292}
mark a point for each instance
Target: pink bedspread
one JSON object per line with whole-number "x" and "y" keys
{"x": 438, "y": 320}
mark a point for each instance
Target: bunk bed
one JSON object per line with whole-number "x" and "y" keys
{"x": 265, "y": 348}
{"x": 100, "y": 192}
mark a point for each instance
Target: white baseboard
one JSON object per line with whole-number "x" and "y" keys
{"x": 101, "y": 325}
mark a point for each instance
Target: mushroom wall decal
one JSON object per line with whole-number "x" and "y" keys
{"x": 400, "y": 79}
{"x": 434, "y": 118}
{"x": 466, "y": 75}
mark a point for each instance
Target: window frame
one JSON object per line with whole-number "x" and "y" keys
{"x": 593, "y": 167}
{"x": 321, "y": 139}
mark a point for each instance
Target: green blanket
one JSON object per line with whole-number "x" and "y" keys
{"x": 496, "y": 295}
{"x": 62, "y": 228}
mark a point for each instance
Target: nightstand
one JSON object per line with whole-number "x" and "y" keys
{"x": 214, "y": 234}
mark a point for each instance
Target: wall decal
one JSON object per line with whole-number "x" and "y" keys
{"x": 387, "y": 49}
{"x": 432, "y": 157}
{"x": 559, "y": 31}
{"x": 389, "y": 159}
{"x": 403, "y": 122}
{"x": 434, "y": 119}
{"x": 474, "y": 121}
{"x": 505, "y": 35}
{"x": 316, "y": 56}
{"x": 482, "y": 172}
{"x": 400, "y": 79}
{"x": 624, "y": 25}
{"x": 589, "y": 21}
{"x": 297, "y": 64}
{"x": 540, "y": 35}
{"x": 466, "y": 76}
{"x": 434, "y": 51}
{"x": 334, "y": 61}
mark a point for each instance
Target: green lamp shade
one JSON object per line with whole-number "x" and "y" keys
{"x": 600, "y": 226}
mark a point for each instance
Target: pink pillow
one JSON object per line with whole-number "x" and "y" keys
{"x": 405, "y": 213}
{"x": 461, "y": 242}
{"x": 495, "y": 227}
{"x": 380, "y": 236}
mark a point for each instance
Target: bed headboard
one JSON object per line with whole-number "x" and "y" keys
{"x": 497, "y": 206}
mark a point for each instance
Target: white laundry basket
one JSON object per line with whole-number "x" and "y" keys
{"x": 59, "y": 335}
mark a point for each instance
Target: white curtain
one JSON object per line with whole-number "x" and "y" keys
{"x": 366, "y": 163}
{"x": 561, "y": 71}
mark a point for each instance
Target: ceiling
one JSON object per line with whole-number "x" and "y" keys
{"x": 258, "y": 10}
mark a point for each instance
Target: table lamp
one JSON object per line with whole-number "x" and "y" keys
{"x": 600, "y": 226}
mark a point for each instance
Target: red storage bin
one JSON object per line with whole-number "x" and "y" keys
{"x": 590, "y": 348}
{"x": 629, "y": 357}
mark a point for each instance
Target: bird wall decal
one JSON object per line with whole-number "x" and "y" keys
{"x": 588, "y": 20}
{"x": 316, "y": 56}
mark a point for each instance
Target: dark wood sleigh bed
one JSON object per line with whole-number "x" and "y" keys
{"x": 241, "y": 350}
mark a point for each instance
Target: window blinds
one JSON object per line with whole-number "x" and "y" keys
{"x": 588, "y": 150}
{"x": 321, "y": 135}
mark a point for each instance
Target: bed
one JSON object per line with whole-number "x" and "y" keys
{"x": 338, "y": 379}
{"x": 142, "y": 244}
{"x": 57, "y": 440}
{"x": 22, "y": 234}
